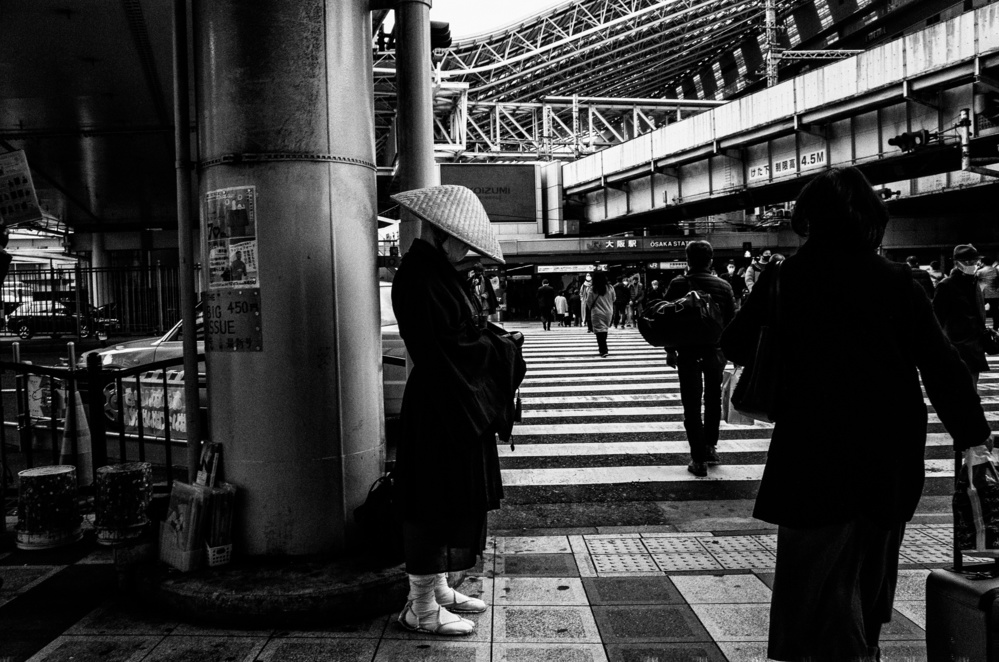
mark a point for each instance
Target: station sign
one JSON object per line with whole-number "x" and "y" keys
{"x": 565, "y": 268}
{"x": 613, "y": 244}
{"x": 623, "y": 244}
{"x": 667, "y": 266}
{"x": 668, "y": 243}
{"x": 788, "y": 166}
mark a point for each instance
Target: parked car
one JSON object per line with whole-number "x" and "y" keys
{"x": 170, "y": 345}
{"x": 52, "y": 318}
{"x": 106, "y": 320}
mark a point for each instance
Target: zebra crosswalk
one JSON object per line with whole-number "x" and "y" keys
{"x": 604, "y": 429}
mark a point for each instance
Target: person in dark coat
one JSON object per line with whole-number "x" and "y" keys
{"x": 701, "y": 368}
{"x": 546, "y": 302}
{"x": 736, "y": 282}
{"x": 854, "y": 345}
{"x": 960, "y": 309}
{"x": 622, "y": 297}
{"x": 920, "y": 276}
{"x": 459, "y": 397}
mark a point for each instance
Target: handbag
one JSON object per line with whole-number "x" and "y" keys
{"x": 976, "y": 503}
{"x": 730, "y": 414}
{"x": 693, "y": 320}
{"x": 755, "y": 394}
{"x": 379, "y": 521}
{"x": 990, "y": 342}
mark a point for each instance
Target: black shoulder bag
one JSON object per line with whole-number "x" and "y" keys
{"x": 756, "y": 393}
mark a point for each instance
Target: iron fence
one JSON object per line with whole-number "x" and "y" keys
{"x": 84, "y": 301}
{"x": 61, "y": 415}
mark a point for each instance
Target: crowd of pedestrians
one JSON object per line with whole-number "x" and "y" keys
{"x": 868, "y": 341}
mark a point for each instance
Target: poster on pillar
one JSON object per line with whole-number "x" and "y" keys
{"x": 18, "y": 200}
{"x": 230, "y": 232}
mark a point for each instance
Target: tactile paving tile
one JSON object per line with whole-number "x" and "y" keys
{"x": 624, "y": 563}
{"x": 732, "y": 544}
{"x": 686, "y": 561}
{"x": 746, "y": 559}
{"x": 769, "y": 542}
{"x": 673, "y": 545}
{"x": 944, "y": 535}
{"x": 615, "y": 546}
{"x": 925, "y": 554}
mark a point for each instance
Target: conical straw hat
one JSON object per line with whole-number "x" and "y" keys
{"x": 457, "y": 211}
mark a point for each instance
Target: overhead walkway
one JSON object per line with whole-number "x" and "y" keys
{"x": 753, "y": 150}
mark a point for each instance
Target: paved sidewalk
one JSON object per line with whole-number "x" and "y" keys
{"x": 622, "y": 597}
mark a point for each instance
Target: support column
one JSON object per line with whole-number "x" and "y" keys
{"x": 98, "y": 261}
{"x": 286, "y": 107}
{"x": 415, "y": 114}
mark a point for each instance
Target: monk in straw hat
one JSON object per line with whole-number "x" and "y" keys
{"x": 459, "y": 397}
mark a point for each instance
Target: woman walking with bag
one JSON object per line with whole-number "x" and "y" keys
{"x": 459, "y": 397}
{"x": 841, "y": 501}
{"x": 600, "y": 304}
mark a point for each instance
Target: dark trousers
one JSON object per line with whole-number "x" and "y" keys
{"x": 620, "y": 314}
{"x": 589, "y": 322}
{"x": 833, "y": 589}
{"x": 546, "y": 318}
{"x": 602, "y": 342}
{"x": 700, "y": 370}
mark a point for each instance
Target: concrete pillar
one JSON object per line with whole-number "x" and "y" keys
{"x": 98, "y": 260}
{"x": 301, "y": 421}
{"x": 415, "y": 114}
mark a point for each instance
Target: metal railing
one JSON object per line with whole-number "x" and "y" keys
{"x": 83, "y": 301}
{"x": 47, "y": 428}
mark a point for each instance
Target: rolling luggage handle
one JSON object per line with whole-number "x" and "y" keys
{"x": 958, "y": 556}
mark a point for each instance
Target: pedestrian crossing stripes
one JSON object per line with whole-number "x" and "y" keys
{"x": 611, "y": 428}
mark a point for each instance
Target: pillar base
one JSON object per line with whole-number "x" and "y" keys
{"x": 279, "y": 592}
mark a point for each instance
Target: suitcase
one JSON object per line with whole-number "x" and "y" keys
{"x": 962, "y": 609}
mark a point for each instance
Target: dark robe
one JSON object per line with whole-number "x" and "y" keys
{"x": 458, "y": 397}
{"x": 854, "y": 347}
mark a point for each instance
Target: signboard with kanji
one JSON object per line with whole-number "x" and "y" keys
{"x": 613, "y": 244}
{"x": 18, "y": 200}
{"x": 232, "y": 321}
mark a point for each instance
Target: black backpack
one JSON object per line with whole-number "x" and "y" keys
{"x": 693, "y": 320}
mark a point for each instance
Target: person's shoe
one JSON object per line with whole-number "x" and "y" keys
{"x": 699, "y": 469}
{"x": 603, "y": 356}
{"x": 462, "y": 604}
{"x": 713, "y": 459}
{"x": 442, "y": 622}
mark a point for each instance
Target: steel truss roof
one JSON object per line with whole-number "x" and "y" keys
{"x": 601, "y": 48}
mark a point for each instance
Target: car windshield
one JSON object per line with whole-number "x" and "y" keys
{"x": 385, "y": 301}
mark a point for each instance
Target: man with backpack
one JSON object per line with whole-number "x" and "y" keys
{"x": 700, "y": 363}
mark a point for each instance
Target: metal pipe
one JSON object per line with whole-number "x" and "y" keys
{"x": 415, "y": 118}
{"x": 613, "y": 101}
{"x": 185, "y": 237}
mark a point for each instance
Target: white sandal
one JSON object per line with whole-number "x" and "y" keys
{"x": 462, "y": 604}
{"x": 457, "y": 628}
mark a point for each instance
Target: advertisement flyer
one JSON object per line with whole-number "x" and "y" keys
{"x": 231, "y": 238}
{"x": 18, "y": 200}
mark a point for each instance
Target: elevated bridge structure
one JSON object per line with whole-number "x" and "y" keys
{"x": 493, "y": 90}
{"x": 759, "y": 149}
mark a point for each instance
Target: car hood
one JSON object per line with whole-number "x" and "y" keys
{"x": 125, "y": 354}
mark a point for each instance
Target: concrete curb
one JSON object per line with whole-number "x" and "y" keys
{"x": 277, "y": 592}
